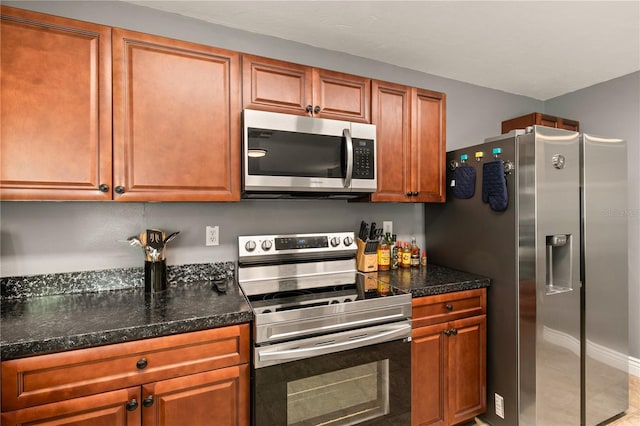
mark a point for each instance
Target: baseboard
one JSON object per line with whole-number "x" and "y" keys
{"x": 634, "y": 366}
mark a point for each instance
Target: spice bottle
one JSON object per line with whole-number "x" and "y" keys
{"x": 423, "y": 259}
{"x": 406, "y": 256}
{"x": 394, "y": 252}
{"x": 384, "y": 255}
{"x": 415, "y": 253}
{"x": 399, "y": 253}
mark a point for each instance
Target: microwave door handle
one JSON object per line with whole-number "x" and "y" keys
{"x": 349, "y": 151}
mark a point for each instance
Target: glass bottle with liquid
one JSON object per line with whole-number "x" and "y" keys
{"x": 406, "y": 255}
{"x": 415, "y": 253}
{"x": 384, "y": 255}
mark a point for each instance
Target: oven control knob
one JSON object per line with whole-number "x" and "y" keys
{"x": 348, "y": 241}
{"x": 250, "y": 245}
{"x": 335, "y": 242}
{"x": 347, "y": 300}
{"x": 266, "y": 311}
{"x": 266, "y": 245}
{"x": 333, "y": 302}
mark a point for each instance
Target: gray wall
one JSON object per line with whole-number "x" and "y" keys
{"x": 612, "y": 109}
{"x": 45, "y": 237}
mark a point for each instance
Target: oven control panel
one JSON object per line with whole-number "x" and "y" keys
{"x": 254, "y": 247}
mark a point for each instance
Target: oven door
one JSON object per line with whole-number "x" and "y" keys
{"x": 367, "y": 382}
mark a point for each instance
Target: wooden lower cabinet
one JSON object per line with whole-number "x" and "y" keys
{"x": 219, "y": 397}
{"x": 106, "y": 409}
{"x": 448, "y": 364}
{"x": 199, "y": 378}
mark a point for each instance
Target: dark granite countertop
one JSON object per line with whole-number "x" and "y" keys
{"x": 60, "y": 322}
{"x": 37, "y": 323}
{"x": 432, "y": 280}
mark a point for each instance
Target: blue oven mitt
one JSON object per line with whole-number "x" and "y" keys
{"x": 494, "y": 185}
{"x": 464, "y": 180}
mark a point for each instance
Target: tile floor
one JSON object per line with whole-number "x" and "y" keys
{"x": 631, "y": 417}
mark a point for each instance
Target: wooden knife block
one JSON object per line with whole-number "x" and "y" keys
{"x": 365, "y": 262}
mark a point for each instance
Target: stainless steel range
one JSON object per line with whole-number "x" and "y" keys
{"x": 330, "y": 345}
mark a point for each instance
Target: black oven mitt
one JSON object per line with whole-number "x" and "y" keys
{"x": 464, "y": 182}
{"x": 494, "y": 185}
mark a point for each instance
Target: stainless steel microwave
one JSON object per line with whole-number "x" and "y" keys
{"x": 295, "y": 156}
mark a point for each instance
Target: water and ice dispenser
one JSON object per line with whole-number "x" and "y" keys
{"x": 559, "y": 263}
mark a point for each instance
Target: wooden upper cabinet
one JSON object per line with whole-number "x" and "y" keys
{"x": 391, "y": 110}
{"x": 176, "y": 120}
{"x": 56, "y": 108}
{"x": 277, "y": 86}
{"x": 341, "y": 96}
{"x": 539, "y": 119}
{"x": 410, "y": 125}
{"x": 290, "y": 88}
{"x": 428, "y": 140}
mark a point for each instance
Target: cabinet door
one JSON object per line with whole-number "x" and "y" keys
{"x": 428, "y": 375}
{"x": 467, "y": 368}
{"x": 567, "y": 124}
{"x": 390, "y": 109}
{"x": 214, "y": 398}
{"x": 176, "y": 120}
{"x": 341, "y": 96}
{"x": 56, "y": 108}
{"x": 105, "y": 409}
{"x": 546, "y": 120}
{"x": 428, "y": 146}
{"x": 276, "y": 86}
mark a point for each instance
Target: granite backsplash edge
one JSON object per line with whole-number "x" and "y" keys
{"x": 107, "y": 279}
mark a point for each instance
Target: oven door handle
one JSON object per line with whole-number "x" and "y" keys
{"x": 352, "y": 340}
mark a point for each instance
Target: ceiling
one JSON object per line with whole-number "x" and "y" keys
{"x": 540, "y": 49}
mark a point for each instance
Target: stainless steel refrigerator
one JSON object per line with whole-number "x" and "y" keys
{"x": 544, "y": 215}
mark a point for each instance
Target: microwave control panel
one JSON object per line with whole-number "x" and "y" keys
{"x": 363, "y": 159}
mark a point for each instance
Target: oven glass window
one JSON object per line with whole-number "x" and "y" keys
{"x": 342, "y": 397}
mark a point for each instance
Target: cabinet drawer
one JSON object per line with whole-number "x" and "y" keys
{"x": 55, "y": 377}
{"x": 447, "y": 307}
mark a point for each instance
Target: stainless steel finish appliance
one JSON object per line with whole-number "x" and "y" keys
{"x": 330, "y": 345}
{"x": 293, "y": 156}
{"x": 557, "y": 339}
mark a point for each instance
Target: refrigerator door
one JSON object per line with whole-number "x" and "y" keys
{"x": 549, "y": 277}
{"x": 604, "y": 204}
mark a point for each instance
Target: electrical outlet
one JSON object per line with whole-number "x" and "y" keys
{"x": 387, "y": 226}
{"x": 212, "y": 236}
{"x": 499, "y": 403}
